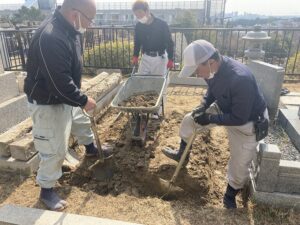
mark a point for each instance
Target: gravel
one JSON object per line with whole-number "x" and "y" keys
{"x": 278, "y": 136}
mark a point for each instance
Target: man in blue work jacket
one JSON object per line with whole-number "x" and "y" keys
{"x": 232, "y": 100}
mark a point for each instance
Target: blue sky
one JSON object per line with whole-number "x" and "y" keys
{"x": 266, "y": 7}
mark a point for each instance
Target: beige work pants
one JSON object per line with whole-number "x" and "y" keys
{"x": 242, "y": 144}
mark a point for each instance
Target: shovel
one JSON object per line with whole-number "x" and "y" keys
{"x": 168, "y": 186}
{"x": 102, "y": 168}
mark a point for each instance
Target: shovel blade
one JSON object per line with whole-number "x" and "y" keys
{"x": 103, "y": 171}
{"x": 168, "y": 189}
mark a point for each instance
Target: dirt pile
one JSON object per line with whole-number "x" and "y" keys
{"x": 137, "y": 170}
{"x": 144, "y": 99}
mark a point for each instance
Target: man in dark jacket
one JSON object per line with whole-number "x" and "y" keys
{"x": 52, "y": 86}
{"x": 232, "y": 100}
{"x": 152, "y": 36}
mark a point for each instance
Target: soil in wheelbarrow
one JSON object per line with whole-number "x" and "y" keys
{"x": 143, "y": 99}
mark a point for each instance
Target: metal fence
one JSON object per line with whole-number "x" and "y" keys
{"x": 112, "y": 47}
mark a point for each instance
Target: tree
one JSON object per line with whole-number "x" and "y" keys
{"x": 186, "y": 19}
{"x": 26, "y": 14}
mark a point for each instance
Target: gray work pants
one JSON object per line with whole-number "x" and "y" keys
{"x": 52, "y": 126}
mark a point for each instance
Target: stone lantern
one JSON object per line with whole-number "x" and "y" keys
{"x": 255, "y": 39}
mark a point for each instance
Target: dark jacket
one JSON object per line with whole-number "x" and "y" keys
{"x": 237, "y": 94}
{"x": 153, "y": 37}
{"x": 54, "y": 64}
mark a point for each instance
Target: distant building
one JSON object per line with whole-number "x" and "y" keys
{"x": 120, "y": 13}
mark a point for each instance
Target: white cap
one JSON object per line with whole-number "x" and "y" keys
{"x": 194, "y": 54}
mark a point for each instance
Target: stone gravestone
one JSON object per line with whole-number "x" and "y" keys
{"x": 269, "y": 78}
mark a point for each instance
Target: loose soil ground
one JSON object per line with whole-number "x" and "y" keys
{"x": 132, "y": 194}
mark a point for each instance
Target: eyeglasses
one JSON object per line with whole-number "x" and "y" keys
{"x": 85, "y": 16}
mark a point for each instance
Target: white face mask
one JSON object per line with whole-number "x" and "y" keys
{"x": 143, "y": 20}
{"x": 80, "y": 28}
{"x": 211, "y": 74}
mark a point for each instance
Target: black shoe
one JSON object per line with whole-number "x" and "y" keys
{"x": 229, "y": 197}
{"x": 92, "y": 151}
{"x": 176, "y": 155}
{"x": 52, "y": 200}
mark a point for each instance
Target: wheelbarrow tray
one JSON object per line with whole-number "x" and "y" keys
{"x": 138, "y": 84}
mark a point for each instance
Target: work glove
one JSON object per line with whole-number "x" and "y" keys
{"x": 170, "y": 64}
{"x": 200, "y": 109}
{"x": 202, "y": 119}
{"x": 135, "y": 60}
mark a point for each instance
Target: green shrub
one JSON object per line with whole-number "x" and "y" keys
{"x": 111, "y": 54}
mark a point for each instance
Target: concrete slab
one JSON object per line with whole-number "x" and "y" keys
{"x": 275, "y": 199}
{"x": 293, "y": 107}
{"x": 12, "y": 134}
{"x": 23, "y": 149}
{"x": 193, "y": 81}
{"x": 269, "y": 78}
{"x": 269, "y": 151}
{"x": 8, "y": 86}
{"x": 293, "y": 131}
{"x": 289, "y": 167}
{"x": 290, "y": 100}
{"x": 268, "y": 159}
{"x": 290, "y": 184}
{"x": 12, "y": 112}
{"x": 289, "y": 120}
{"x": 293, "y": 93}
{"x": 24, "y": 168}
{"x": 14, "y": 214}
{"x": 20, "y": 80}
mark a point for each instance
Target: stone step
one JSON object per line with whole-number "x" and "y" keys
{"x": 13, "y": 134}
{"x": 23, "y": 149}
{"x": 12, "y": 112}
{"x": 25, "y": 168}
{"x": 274, "y": 199}
{"x": 94, "y": 81}
{"x": 98, "y": 91}
{"x": 13, "y": 214}
{"x": 8, "y": 86}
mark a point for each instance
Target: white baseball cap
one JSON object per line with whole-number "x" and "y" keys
{"x": 194, "y": 54}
